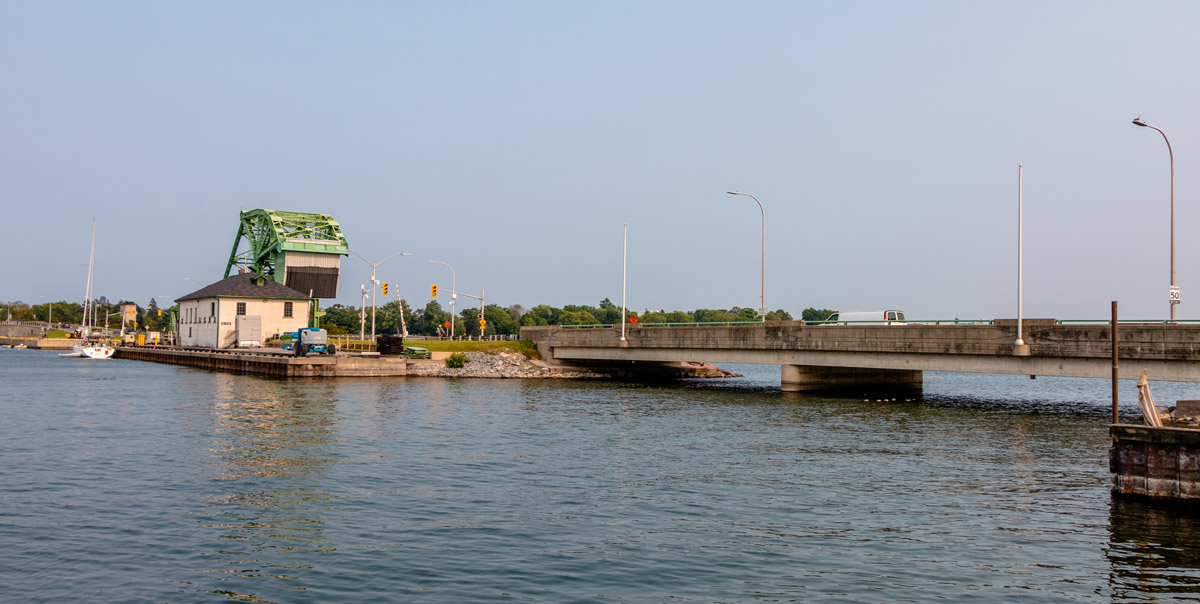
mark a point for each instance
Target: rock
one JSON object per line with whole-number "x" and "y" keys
{"x": 499, "y": 365}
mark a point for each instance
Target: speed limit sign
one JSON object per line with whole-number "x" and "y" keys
{"x": 1174, "y": 294}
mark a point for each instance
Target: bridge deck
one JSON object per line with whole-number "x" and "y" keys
{"x": 1170, "y": 352}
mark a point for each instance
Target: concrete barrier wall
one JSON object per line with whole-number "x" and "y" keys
{"x": 1159, "y": 342}
{"x": 270, "y": 364}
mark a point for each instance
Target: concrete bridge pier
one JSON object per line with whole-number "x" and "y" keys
{"x": 805, "y": 378}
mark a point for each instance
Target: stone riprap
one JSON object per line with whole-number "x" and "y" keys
{"x": 498, "y": 365}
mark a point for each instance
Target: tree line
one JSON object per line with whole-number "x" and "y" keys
{"x": 106, "y": 314}
{"x": 430, "y": 320}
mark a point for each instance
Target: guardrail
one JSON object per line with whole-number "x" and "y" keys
{"x": 700, "y": 324}
{"x": 349, "y": 343}
{"x": 942, "y": 322}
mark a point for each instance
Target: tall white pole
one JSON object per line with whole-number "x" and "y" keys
{"x": 374, "y": 283}
{"x": 624, "y": 258}
{"x": 1020, "y": 253}
{"x": 1174, "y": 292}
{"x": 362, "y": 315}
{"x": 762, "y": 311}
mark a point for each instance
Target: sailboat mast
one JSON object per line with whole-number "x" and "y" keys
{"x": 87, "y": 297}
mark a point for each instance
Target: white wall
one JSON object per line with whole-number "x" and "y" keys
{"x": 274, "y": 324}
{"x": 198, "y": 323}
{"x": 212, "y": 322}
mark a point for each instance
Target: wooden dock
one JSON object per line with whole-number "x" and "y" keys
{"x": 1155, "y": 462}
{"x": 265, "y": 362}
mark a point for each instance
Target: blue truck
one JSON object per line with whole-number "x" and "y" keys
{"x": 308, "y": 340}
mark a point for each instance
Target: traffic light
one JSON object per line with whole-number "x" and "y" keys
{"x": 160, "y": 312}
{"x": 433, "y": 290}
{"x": 385, "y": 289}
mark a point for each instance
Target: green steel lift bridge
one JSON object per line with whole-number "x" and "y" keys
{"x": 301, "y": 251}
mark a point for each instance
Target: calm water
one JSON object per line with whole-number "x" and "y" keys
{"x": 127, "y": 481}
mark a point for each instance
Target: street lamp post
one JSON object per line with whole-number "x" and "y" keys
{"x": 624, "y": 263}
{"x": 762, "y": 311}
{"x": 453, "y": 294}
{"x": 375, "y": 283}
{"x": 362, "y": 315}
{"x": 1174, "y": 292}
{"x": 1020, "y": 254}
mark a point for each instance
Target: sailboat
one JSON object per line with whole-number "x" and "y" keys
{"x": 87, "y": 348}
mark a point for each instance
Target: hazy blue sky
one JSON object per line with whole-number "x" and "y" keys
{"x": 513, "y": 139}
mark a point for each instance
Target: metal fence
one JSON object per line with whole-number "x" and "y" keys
{"x": 351, "y": 343}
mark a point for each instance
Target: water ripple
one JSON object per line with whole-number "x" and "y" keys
{"x": 133, "y": 481}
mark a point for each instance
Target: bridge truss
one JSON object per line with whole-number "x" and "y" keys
{"x": 300, "y": 250}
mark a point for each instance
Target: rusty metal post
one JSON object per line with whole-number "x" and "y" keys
{"x": 1116, "y": 413}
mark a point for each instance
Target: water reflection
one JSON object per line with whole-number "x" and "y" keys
{"x": 273, "y": 442}
{"x": 1154, "y": 548}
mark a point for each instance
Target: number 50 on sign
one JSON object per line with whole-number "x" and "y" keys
{"x": 1174, "y": 294}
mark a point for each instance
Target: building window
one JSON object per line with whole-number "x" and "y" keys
{"x": 287, "y": 309}
{"x": 212, "y": 312}
{"x": 241, "y": 308}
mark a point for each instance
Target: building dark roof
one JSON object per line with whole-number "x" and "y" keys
{"x": 245, "y": 285}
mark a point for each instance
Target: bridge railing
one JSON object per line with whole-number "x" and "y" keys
{"x": 701, "y": 324}
{"x": 955, "y": 321}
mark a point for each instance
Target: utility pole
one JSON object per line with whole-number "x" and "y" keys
{"x": 375, "y": 282}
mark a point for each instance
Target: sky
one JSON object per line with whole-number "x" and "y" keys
{"x": 514, "y": 140}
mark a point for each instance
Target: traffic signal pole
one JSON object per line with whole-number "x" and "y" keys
{"x": 482, "y": 320}
{"x": 453, "y": 286}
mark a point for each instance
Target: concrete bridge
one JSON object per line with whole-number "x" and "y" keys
{"x": 825, "y": 357}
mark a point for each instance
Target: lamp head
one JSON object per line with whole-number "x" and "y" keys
{"x": 1137, "y": 121}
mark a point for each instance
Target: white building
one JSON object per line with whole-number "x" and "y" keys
{"x": 243, "y": 310}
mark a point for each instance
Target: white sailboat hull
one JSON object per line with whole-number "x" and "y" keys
{"x": 98, "y": 351}
{"x": 90, "y": 351}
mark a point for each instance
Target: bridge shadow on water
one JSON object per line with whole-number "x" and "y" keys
{"x": 1089, "y": 399}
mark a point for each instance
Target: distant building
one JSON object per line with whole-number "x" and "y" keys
{"x": 128, "y": 316}
{"x": 240, "y": 311}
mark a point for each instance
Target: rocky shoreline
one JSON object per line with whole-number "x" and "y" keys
{"x": 512, "y": 365}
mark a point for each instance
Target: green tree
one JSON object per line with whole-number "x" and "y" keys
{"x": 816, "y": 314}
{"x": 679, "y": 316}
{"x": 469, "y": 319}
{"x": 577, "y": 317}
{"x": 387, "y": 318}
{"x": 709, "y": 315}
{"x": 653, "y": 316}
{"x": 531, "y": 320}
{"x": 607, "y": 313}
{"x": 500, "y": 321}
{"x": 340, "y": 319}
{"x": 430, "y": 318}
{"x": 779, "y": 315}
{"x": 152, "y": 320}
{"x": 541, "y": 315}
